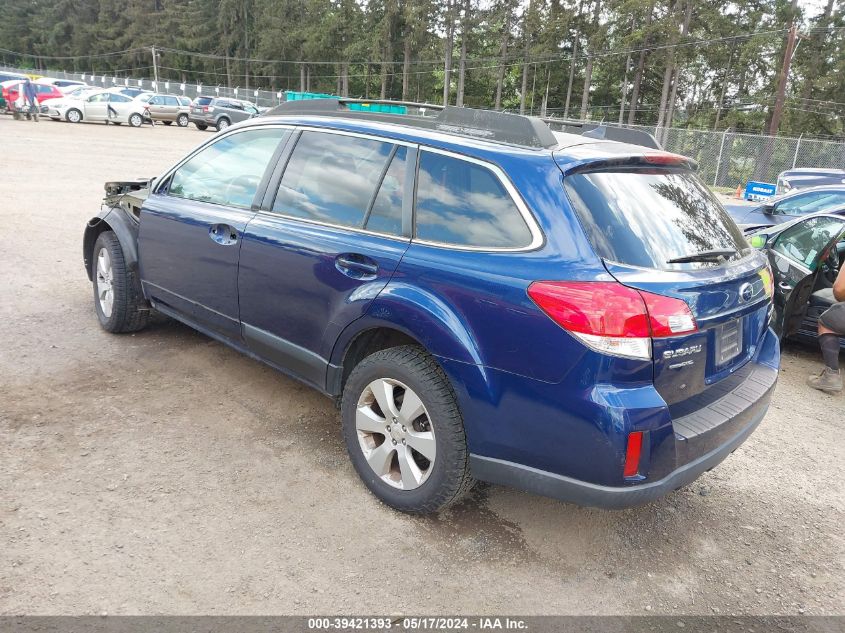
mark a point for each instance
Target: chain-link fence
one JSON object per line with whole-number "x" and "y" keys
{"x": 726, "y": 159}
{"x": 730, "y": 159}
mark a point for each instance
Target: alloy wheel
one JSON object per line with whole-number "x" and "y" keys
{"x": 395, "y": 433}
{"x": 105, "y": 282}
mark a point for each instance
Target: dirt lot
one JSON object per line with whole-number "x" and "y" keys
{"x": 164, "y": 473}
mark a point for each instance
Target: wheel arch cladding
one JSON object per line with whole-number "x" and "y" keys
{"x": 126, "y": 231}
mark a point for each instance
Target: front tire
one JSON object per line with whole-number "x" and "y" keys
{"x": 222, "y": 124}
{"x": 168, "y": 122}
{"x": 201, "y": 126}
{"x": 182, "y": 120}
{"x": 118, "y": 300}
{"x": 404, "y": 431}
{"x": 73, "y": 115}
{"x": 136, "y": 120}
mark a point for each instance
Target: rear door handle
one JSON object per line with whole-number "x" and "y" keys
{"x": 355, "y": 265}
{"x": 223, "y": 234}
{"x": 785, "y": 286}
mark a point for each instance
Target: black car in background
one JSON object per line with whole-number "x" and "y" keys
{"x": 805, "y": 256}
{"x": 804, "y": 177}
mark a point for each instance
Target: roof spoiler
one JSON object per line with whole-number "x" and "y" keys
{"x": 604, "y": 132}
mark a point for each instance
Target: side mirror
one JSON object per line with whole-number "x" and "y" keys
{"x": 759, "y": 240}
{"x": 768, "y": 208}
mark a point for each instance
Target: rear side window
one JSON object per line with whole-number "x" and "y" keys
{"x": 332, "y": 178}
{"x": 463, "y": 203}
{"x": 647, "y": 217}
{"x": 229, "y": 171}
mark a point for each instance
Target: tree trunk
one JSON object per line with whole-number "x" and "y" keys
{"x": 588, "y": 72}
{"x": 667, "y": 76}
{"x": 385, "y": 66}
{"x": 676, "y": 74}
{"x": 344, "y": 79}
{"x": 406, "y": 67}
{"x": 571, "y": 76}
{"x": 526, "y": 41}
{"x": 500, "y": 79}
{"x": 585, "y": 94}
{"x": 448, "y": 44}
{"x": 624, "y": 89}
{"x": 465, "y": 22}
{"x": 302, "y": 78}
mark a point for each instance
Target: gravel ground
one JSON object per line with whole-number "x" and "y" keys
{"x": 164, "y": 473}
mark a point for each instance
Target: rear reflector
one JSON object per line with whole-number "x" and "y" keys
{"x": 612, "y": 318}
{"x": 632, "y": 454}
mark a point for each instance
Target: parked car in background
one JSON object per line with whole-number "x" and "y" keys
{"x": 805, "y": 255}
{"x": 220, "y": 113}
{"x": 63, "y": 85}
{"x": 10, "y": 77}
{"x": 168, "y": 108}
{"x": 78, "y": 91}
{"x": 129, "y": 92}
{"x": 785, "y": 208}
{"x": 804, "y": 177}
{"x": 484, "y": 297}
{"x": 43, "y": 92}
{"x": 93, "y": 107}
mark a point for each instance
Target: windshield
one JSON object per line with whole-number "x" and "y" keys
{"x": 647, "y": 217}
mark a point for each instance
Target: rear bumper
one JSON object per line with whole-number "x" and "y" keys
{"x": 701, "y": 440}
{"x": 611, "y": 497}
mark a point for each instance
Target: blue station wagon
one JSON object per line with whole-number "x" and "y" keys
{"x": 486, "y": 298}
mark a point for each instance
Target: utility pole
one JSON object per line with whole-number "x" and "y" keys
{"x": 155, "y": 66}
{"x": 783, "y": 80}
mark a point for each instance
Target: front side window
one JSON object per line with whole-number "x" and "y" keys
{"x": 332, "y": 178}
{"x": 385, "y": 215}
{"x": 465, "y": 204}
{"x": 229, "y": 171}
{"x": 804, "y": 241}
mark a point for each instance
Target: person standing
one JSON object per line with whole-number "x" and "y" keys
{"x": 831, "y": 327}
{"x": 30, "y": 98}
{"x": 111, "y": 112}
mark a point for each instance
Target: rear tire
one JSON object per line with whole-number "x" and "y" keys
{"x": 182, "y": 120}
{"x": 223, "y": 123}
{"x": 422, "y": 414}
{"x": 118, "y": 300}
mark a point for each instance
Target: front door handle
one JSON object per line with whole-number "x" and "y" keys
{"x": 223, "y": 234}
{"x": 785, "y": 286}
{"x": 357, "y": 266}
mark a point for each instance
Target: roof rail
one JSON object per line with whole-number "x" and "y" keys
{"x": 604, "y": 131}
{"x": 513, "y": 129}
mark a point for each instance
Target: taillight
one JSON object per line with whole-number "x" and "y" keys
{"x": 612, "y": 318}
{"x": 208, "y": 108}
{"x": 632, "y": 454}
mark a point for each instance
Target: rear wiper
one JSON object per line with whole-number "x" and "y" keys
{"x": 703, "y": 256}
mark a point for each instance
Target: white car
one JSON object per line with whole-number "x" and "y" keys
{"x": 94, "y": 106}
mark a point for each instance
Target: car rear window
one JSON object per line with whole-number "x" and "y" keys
{"x": 202, "y": 101}
{"x": 647, "y": 217}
